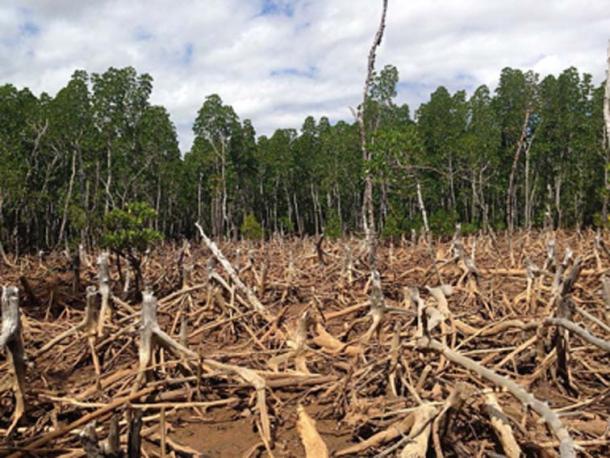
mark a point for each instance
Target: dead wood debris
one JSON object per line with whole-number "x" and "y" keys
{"x": 315, "y": 355}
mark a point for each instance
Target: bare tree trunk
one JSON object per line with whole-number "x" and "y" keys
{"x": 424, "y": 215}
{"x": 368, "y": 213}
{"x": 527, "y": 203}
{"x": 68, "y": 198}
{"x": 558, "y": 199}
{"x": 510, "y": 195}
{"x": 108, "y": 178}
{"x": 199, "y": 196}
{"x": 607, "y": 135}
{"x": 10, "y": 336}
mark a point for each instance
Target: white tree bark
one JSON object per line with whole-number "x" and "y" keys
{"x": 607, "y": 132}
{"x": 607, "y": 100}
{"x": 10, "y": 337}
{"x": 256, "y": 304}
{"x": 368, "y": 212}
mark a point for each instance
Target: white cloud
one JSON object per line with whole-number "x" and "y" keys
{"x": 277, "y": 61}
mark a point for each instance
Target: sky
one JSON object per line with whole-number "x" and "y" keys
{"x": 278, "y": 61}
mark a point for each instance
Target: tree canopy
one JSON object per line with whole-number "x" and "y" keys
{"x": 532, "y": 147}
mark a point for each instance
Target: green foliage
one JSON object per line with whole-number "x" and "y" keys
{"x": 333, "y": 229}
{"x": 100, "y": 143}
{"x": 393, "y": 227}
{"x": 286, "y": 225}
{"x": 598, "y": 220}
{"x": 469, "y": 228}
{"x": 126, "y": 231}
{"x": 251, "y": 229}
{"x": 442, "y": 222}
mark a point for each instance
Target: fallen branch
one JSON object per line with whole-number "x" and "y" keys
{"x": 581, "y": 332}
{"x": 566, "y": 447}
{"x": 500, "y": 424}
{"x": 226, "y": 265}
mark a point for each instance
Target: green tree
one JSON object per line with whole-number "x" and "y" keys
{"x": 127, "y": 233}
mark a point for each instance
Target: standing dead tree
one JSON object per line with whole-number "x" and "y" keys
{"x": 104, "y": 288}
{"x": 11, "y": 339}
{"x": 368, "y": 212}
{"x": 607, "y": 136}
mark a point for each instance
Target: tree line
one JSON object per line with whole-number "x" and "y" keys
{"x": 531, "y": 152}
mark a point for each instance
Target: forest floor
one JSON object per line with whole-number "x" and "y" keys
{"x": 314, "y": 373}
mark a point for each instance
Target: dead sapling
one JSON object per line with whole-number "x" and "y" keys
{"x": 378, "y": 309}
{"x": 470, "y": 273}
{"x": 564, "y": 310}
{"x": 533, "y": 274}
{"x": 11, "y": 339}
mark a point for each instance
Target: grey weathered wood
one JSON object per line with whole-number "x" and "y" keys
{"x": 566, "y": 444}
{"x": 151, "y": 335}
{"x": 103, "y": 277}
{"x": 226, "y": 265}
{"x": 11, "y": 339}
{"x": 368, "y": 216}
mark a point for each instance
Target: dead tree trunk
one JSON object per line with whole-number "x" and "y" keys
{"x": 104, "y": 289}
{"x": 607, "y": 133}
{"x": 151, "y": 336}
{"x": 10, "y": 337}
{"x": 368, "y": 212}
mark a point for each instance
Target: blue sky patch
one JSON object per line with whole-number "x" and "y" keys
{"x": 29, "y": 28}
{"x": 187, "y": 54}
{"x": 309, "y": 72}
{"x": 277, "y": 7}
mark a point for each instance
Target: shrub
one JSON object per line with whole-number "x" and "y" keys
{"x": 332, "y": 228}
{"x": 126, "y": 234}
{"x": 442, "y": 222}
{"x": 251, "y": 229}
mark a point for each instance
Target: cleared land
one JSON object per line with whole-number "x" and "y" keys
{"x": 336, "y": 363}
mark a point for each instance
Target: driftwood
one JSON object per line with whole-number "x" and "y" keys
{"x": 313, "y": 353}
